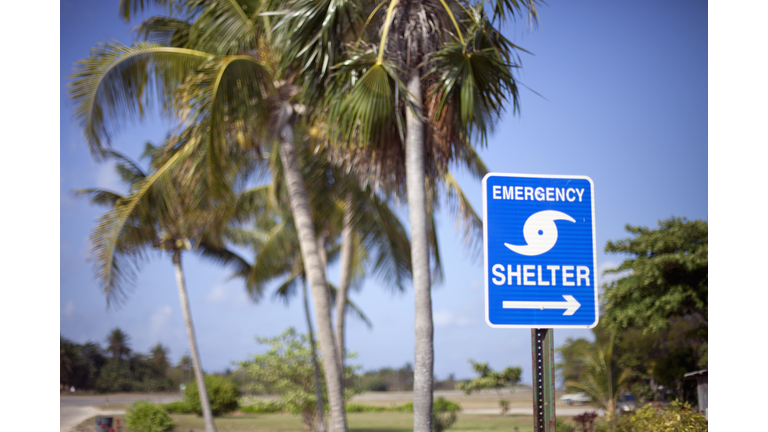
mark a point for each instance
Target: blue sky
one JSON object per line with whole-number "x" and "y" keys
{"x": 624, "y": 92}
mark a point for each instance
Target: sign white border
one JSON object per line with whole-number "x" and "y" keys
{"x": 485, "y": 249}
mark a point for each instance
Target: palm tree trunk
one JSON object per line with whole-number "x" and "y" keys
{"x": 316, "y": 277}
{"x": 346, "y": 263}
{"x": 207, "y": 414}
{"x": 318, "y": 389}
{"x": 417, "y": 212}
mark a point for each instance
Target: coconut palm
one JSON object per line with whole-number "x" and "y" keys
{"x": 407, "y": 106}
{"x": 279, "y": 258}
{"x": 379, "y": 238}
{"x": 210, "y": 65}
{"x": 117, "y": 344}
{"x": 601, "y": 379}
{"x": 171, "y": 219}
{"x": 159, "y": 355}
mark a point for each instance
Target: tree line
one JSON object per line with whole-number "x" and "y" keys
{"x": 117, "y": 368}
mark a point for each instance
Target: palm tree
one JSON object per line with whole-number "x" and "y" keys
{"x": 117, "y": 344}
{"x": 404, "y": 108}
{"x": 208, "y": 63}
{"x": 171, "y": 219}
{"x": 601, "y": 379}
{"x": 373, "y": 240}
{"x": 185, "y": 365}
{"x": 159, "y": 355}
{"x": 379, "y": 238}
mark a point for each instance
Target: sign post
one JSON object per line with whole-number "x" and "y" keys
{"x": 540, "y": 260}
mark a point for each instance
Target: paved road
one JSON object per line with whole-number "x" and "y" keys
{"x": 75, "y": 409}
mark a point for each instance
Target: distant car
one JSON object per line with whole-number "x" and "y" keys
{"x": 576, "y": 398}
{"x": 626, "y": 403}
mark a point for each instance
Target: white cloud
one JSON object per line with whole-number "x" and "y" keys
{"x": 69, "y": 309}
{"x": 229, "y": 295}
{"x": 475, "y": 286}
{"x": 608, "y": 278}
{"x": 158, "y": 322}
{"x": 446, "y": 318}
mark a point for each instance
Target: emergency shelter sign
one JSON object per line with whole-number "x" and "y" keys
{"x": 540, "y": 251}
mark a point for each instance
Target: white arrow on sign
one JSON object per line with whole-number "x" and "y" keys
{"x": 570, "y": 305}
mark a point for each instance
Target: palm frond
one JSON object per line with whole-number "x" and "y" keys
{"x": 119, "y": 241}
{"x": 225, "y": 101}
{"x": 129, "y": 8}
{"x": 472, "y": 88}
{"x": 224, "y": 256}
{"x": 111, "y": 86}
{"x": 100, "y": 196}
{"x": 225, "y": 27}
{"x": 509, "y": 9}
{"x": 366, "y": 113}
{"x": 434, "y": 247}
{"x": 289, "y": 288}
{"x": 165, "y": 31}
{"x": 351, "y": 308}
{"x": 466, "y": 217}
{"x": 311, "y": 34}
{"x": 385, "y": 242}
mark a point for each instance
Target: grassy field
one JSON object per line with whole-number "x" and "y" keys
{"x": 358, "y": 422}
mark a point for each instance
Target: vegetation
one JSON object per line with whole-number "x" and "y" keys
{"x": 90, "y": 367}
{"x": 287, "y": 370}
{"x": 171, "y": 219}
{"x": 143, "y": 416}
{"x": 386, "y": 379}
{"x": 654, "y": 326}
{"x": 489, "y": 379}
{"x": 241, "y": 74}
{"x": 179, "y": 407}
{"x": 677, "y": 417}
{"x": 659, "y": 307}
{"x": 223, "y": 394}
{"x": 360, "y": 421}
{"x": 600, "y": 377}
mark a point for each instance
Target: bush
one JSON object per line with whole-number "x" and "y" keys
{"x": 678, "y": 417}
{"x": 443, "y": 414}
{"x": 263, "y": 407}
{"x": 222, "y": 394}
{"x": 365, "y": 408}
{"x": 444, "y": 405}
{"x": 562, "y": 426}
{"x": 179, "y": 407}
{"x": 143, "y": 416}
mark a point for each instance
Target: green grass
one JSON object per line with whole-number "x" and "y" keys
{"x": 358, "y": 422}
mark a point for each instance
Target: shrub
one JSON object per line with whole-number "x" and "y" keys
{"x": 678, "y": 417}
{"x": 263, "y": 407}
{"x": 586, "y": 420}
{"x": 504, "y": 405}
{"x": 179, "y": 407}
{"x": 222, "y": 394}
{"x": 143, "y": 416}
{"x": 444, "y": 405}
{"x": 562, "y": 426}
{"x": 443, "y": 414}
{"x": 365, "y": 408}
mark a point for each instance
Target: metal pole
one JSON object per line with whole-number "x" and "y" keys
{"x": 543, "y": 360}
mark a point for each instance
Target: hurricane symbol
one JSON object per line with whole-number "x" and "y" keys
{"x": 540, "y": 233}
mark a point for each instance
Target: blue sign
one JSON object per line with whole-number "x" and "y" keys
{"x": 540, "y": 251}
